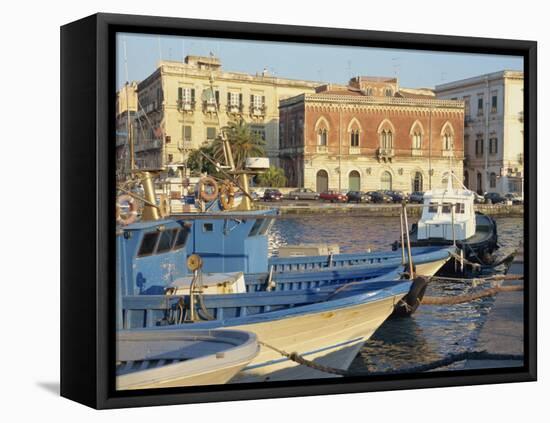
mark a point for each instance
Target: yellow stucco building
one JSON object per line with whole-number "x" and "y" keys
{"x": 182, "y": 106}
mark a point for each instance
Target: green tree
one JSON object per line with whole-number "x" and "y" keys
{"x": 244, "y": 143}
{"x": 273, "y": 177}
{"x": 198, "y": 164}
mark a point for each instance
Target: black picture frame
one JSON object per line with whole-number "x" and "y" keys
{"x": 88, "y": 222}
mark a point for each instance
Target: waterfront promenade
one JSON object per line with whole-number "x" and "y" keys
{"x": 376, "y": 210}
{"x": 503, "y": 331}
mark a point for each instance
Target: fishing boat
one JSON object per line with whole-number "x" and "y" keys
{"x": 449, "y": 218}
{"x": 183, "y": 357}
{"x": 326, "y": 325}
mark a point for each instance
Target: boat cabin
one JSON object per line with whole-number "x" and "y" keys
{"x": 447, "y": 214}
{"x": 152, "y": 254}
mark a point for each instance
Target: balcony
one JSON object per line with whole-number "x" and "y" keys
{"x": 209, "y": 106}
{"x": 234, "y": 109}
{"x": 186, "y": 106}
{"x": 321, "y": 149}
{"x": 257, "y": 112}
{"x": 447, "y": 153}
{"x": 416, "y": 152}
{"x": 385, "y": 154}
{"x": 354, "y": 150}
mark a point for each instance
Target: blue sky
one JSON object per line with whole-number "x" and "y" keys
{"x": 415, "y": 69}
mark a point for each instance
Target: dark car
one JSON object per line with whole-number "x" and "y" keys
{"x": 416, "y": 197}
{"x": 272, "y": 195}
{"x": 303, "y": 194}
{"x": 333, "y": 196}
{"x": 397, "y": 196}
{"x": 494, "y": 198}
{"x": 379, "y": 197}
{"x": 358, "y": 197}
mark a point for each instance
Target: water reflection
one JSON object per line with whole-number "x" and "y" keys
{"x": 433, "y": 331}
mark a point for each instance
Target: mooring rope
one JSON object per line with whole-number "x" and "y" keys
{"x": 445, "y": 361}
{"x": 458, "y": 299}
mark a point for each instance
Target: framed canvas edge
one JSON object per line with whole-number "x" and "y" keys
{"x": 107, "y": 25}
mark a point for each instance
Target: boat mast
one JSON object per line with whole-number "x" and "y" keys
{"x": 128, "y": 123}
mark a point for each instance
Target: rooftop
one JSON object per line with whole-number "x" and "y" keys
{"x": 480, "y": 79}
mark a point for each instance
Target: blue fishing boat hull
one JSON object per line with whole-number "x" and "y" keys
{"x": 327, "y": 325}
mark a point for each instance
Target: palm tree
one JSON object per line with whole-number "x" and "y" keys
{"x": 273, "y": 177}
{"x": 244, "y": 143}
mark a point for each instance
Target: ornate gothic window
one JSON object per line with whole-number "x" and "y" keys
{"x": 322, "y": 137}
{"x": 354, "y": 138}
{"x": 386, "y": 139}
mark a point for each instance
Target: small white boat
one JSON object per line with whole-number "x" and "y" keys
{"x": 163, "y": 358}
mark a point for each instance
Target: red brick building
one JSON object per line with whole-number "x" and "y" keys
{"x": 370, "y": 135}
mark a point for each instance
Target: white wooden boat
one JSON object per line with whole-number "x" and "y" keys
{"x": 184, "y": 357}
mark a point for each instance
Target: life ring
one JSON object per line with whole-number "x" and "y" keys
{"x": 194, "y": 262}
{"x": 227, "y": 196}
{"x": 205, "y": 182}
{"x": 131, "y": 217}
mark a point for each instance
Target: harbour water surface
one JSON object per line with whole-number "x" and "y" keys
{"x": 433, "y": 331}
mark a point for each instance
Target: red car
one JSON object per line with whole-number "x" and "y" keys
{"x": 333, "y": 196}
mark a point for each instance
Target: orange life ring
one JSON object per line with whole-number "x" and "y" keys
{"x": 227, "y": 195}
{"x": 208, "y": 182}
{"x": 131, "y": 217}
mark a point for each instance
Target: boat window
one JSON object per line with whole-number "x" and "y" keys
{"x": 459, "y": 208}
{"x": 433, "y": 207}
{"x": 166, "y": 240}
{"x": 181, "y": 238}
{"x": 446, "y": 208}
{"x": 148, "y": 244}
{"x": 256, "y": 227}
{"x": 207, "y": 227}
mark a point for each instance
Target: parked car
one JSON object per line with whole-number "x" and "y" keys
{"x": 494, "y": 198}
{"x": 303, "y": 194}
{"x": 358, "y": 197}
{"x": 396, "y": 196}
{"x": 416, "y": 197}
{"x": 515, "y": 198}
{"x": 272, "y": 195}
{"x": 333, "y": 196}
{"x": 379, "y": 197}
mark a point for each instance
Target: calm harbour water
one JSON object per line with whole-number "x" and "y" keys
{"x": 433, "y": 331}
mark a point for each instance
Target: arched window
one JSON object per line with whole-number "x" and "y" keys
{"x": 447, "y": 142}
{"x": 386, "y": 139}
{"x": 479, "y": 183}
{"x": 493, "y": 180}
{"x": 388, "y": 92}
{"x": 447, "y": 134}
{"x": 322, "y": 137}
{"x": 354, "y": 138}
{"x": 368, "y": 91}
{"x": 354, "y": 183}
{"x": 322, "y": 181}
{"x": 417, "y": 183}
{"x": 385, "y": 180}
{"x": 417, "y": 140}
{"x": 385, "y": 132}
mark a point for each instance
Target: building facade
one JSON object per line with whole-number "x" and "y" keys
{"x": 493, "y": 130}
{"x": 182, "y": 106}
{"x": 370, "y": 135}
{"x": 126, "y": 108}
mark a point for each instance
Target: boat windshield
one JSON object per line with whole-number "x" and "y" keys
{"x": 433, "y": 207}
